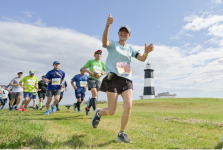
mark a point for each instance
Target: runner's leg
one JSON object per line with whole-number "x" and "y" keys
{"x": 49, "y": 99}
{"x": 18, "y": 100}
{"x": 127, "y": 104}
{"x": 112, "y": 104}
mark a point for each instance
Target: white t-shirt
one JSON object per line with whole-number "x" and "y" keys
{"x": 4, "y": 96}
{"x": 16, "y": 80}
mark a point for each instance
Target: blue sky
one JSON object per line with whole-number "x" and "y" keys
{"x": 187, "y": 36}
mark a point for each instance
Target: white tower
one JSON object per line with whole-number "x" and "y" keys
{"x": 149, "y": 91}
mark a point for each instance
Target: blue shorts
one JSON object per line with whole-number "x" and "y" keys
{"x": 28, "y": 94}
{"x": 80, "y": 94}
{"x": 34, "y": 96}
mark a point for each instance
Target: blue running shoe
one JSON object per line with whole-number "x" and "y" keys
{"x": 79, "y": 111}
{"x": 47, "y": 112}
{"x": 53, "y": 109}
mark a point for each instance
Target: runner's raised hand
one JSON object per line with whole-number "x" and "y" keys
{"x": 110, "y": 20}
{"x": 149, "y": 48}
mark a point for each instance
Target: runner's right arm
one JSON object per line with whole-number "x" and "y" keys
{"x": 72, "y": 82}
{"x": 85, "y": 70}
{"x": 105, "y": 40}
{"x": 13, "y": 84}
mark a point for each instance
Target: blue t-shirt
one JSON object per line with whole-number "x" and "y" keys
{"x": 119, "y": 59}
{"x": 56, "y": 77}
{"x": 81, "y": 82}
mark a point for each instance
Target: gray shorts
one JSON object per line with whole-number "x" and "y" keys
{"x": 16, "y": 94}
{"x": 51, "y": 93}
{"x": 92, "y": 83}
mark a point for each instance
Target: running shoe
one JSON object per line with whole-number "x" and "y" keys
{"x": 53, "y": 109}
{"x": 79, "y": 111}
{"x": 75, "y": 106}
{"x": 37, "y": 107}
{"x": 96, "y": 118}
{"x": 16, "y": 108}
{"x": 34, "y": 108}
{"x": 58, "y": 109}
{"x": 47, "y": 112}
{"x": 123, "y": 138}
{"x": 24, "y": 110}
{"x": 87, "y": 111}
{"x": 10, "y": 109}
{"x": 40, "y": 108}
{"x": 20, "y": 108}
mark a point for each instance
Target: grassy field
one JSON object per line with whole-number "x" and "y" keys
{"x": 154, "y": 124}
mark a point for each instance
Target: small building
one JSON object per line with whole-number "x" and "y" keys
{"x": 166, "y": 95}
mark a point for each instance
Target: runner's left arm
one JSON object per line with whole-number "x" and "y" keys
{"x": 65, "y": 85}
{"x": 62, "y": 79}
{"x": 148, "y": 49}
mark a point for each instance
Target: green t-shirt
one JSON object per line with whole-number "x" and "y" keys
{"x": 29, "y": 83}
{"x": 95, "y": 66}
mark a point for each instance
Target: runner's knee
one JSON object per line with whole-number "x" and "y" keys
{"x": 127, "y": 107}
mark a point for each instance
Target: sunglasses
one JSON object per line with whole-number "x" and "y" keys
{"x": 98, "y": 53}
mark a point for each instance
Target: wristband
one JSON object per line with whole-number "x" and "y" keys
{"x": 145, "y": 54}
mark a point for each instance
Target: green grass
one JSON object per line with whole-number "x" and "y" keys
{"x": 186, "y": 123}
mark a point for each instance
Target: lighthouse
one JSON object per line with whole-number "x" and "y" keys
{"x": 149, "y": 91}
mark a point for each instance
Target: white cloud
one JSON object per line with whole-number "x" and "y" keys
{"x": 7, "y": 19}
{"x": 28, "y": 14}
{"x": 196, "y": 49}
{"x": 39, "y": 22}
{"x": 217, "y": 1}
{"x": 189, "y": 35}
{"x": 198, "y": 23}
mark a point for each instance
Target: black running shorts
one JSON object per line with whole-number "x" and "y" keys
{"x": 116, "y": 84}
{"x": 41, "y": 95}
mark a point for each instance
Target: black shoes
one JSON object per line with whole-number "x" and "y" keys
{"x": 122, "y": 137}
{"x": 96, "y": 118}
{"x": 87, "y": 111}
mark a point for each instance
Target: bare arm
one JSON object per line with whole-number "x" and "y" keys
{"x": 14, "y": 84}
{"x": 90, "y": 72}
{"x": 105, "y": 40}
{"x": 148, "y": 49}
{"x": 36, "y": 86}
{"x": 72, "y": 83}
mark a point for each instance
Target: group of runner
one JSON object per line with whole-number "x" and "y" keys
{"x": 118, "y": 81}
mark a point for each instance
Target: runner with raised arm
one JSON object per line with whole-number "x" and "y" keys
{"x": 118, "y": 80}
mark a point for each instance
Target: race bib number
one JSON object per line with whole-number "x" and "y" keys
{"x": 62, "y": 90}
{"x": 97, "y": 69}
{"x": 56, "y": 81}
{"x": 31, "y": 82}
{"x": 124, "y": 69}
{"x": 83, "y": 83}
